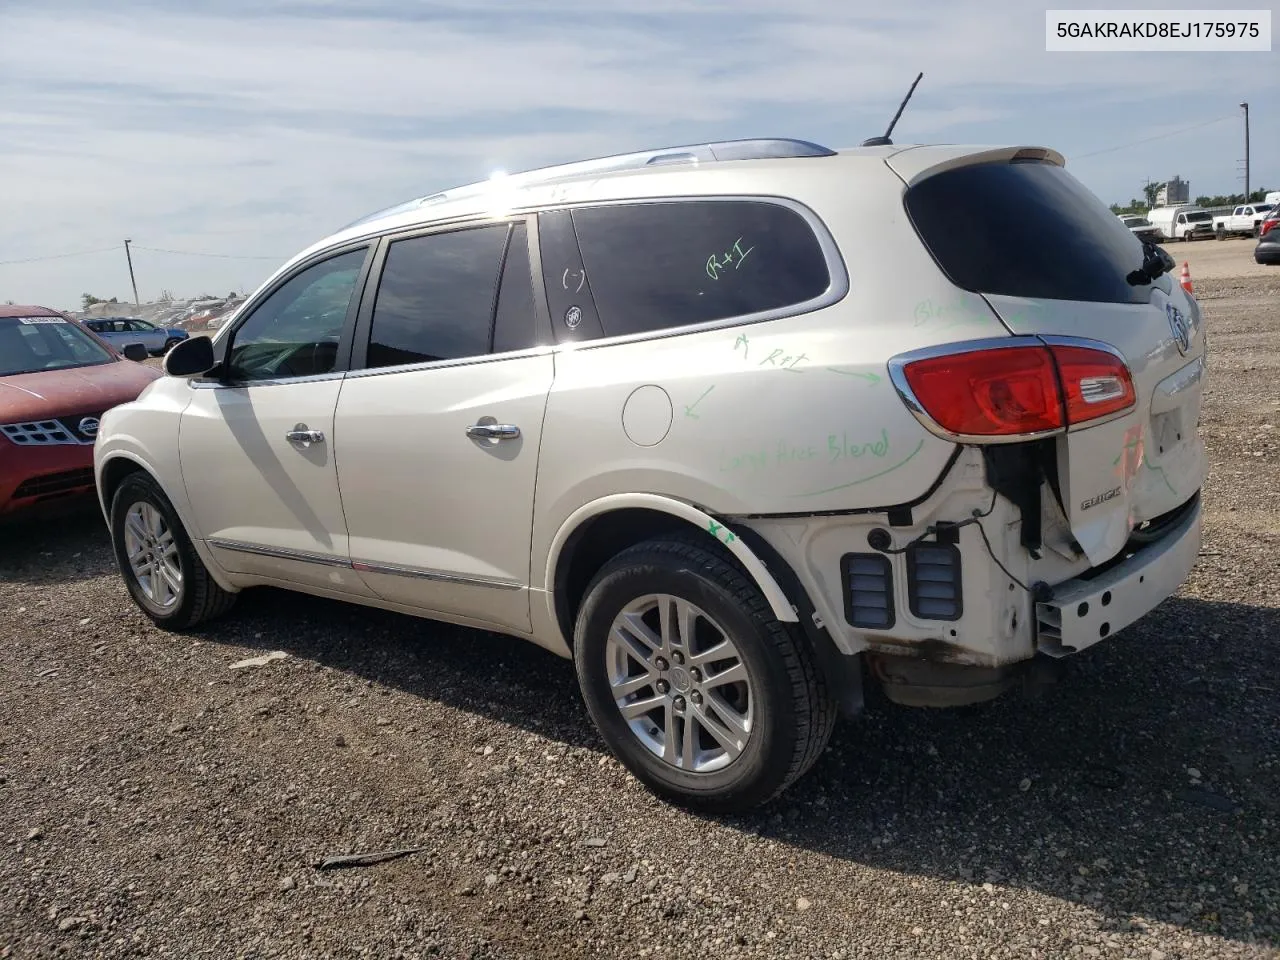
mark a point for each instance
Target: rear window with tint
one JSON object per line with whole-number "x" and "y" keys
{"x": 1025, "y": 230}
{"x": 654, "y": 266}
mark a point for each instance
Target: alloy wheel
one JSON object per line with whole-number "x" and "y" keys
{"x": 680, "y": 683}
{"x": 153, "y": 555}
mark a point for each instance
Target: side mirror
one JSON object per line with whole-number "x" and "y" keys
{"x": 136, "y": 352}
{"x": 190, "y": 358}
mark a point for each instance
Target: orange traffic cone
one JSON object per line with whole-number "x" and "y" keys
{"x": 1185, "y": 279}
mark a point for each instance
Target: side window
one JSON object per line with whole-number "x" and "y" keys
{"x": 654, "y": 266}
{"x": 437, "y": 297}
{"x": 79, "y": 347}
{"x": 295, "y": 331}
{"x": 514, "y": 323}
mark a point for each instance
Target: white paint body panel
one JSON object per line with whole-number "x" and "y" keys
{"x": 248, "y": 485}
{"x": 444, "y": 507}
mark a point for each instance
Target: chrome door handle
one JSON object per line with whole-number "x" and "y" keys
{"x": 493, "y": 431}
{"x": 300, "y": 434}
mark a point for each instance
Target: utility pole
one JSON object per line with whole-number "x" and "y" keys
{"x": 131, "y": 280}
{"x": 1246, "y": 151}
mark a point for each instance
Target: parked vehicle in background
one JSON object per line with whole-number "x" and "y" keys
{"x": 1141, "y": 227}
{"x": 1183, "y": 222}
{"x": 1272, "y": 198}
{"x": 56, "y": 381}
{"x": 1268, "y": 249}
{"x": 1244, "y": 220}
{"x": 1270, "y": 221}
{"x": 636, "y": 411}
{"x": 122, "y": 330}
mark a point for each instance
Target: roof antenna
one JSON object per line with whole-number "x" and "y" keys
{"x": 885, "y": 141}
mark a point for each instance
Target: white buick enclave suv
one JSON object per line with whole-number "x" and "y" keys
{"x": 738, "y": 427}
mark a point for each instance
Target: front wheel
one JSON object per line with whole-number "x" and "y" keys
{"x": 161, "y": 569}
{"x": 694, "y": 685}
{"x": 170, "y": 344}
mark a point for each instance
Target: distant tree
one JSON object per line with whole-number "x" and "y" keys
{"x": 9, "y": 303}
{"x": 1150, "y": 190}
{"x": 113, "y": 300}
{"x": 88, "y": 300}
{"x": 1257, "y": 196}
{"x": 166, "y": 294}
{"x": 232, "y": 295}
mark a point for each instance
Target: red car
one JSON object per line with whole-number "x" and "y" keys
{"x": 1269, "y": 222}
{"x": 56, "y": 380}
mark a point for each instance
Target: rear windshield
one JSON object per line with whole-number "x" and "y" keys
{"x": 1262, "y": 208}
{"x": 32, "y": 344}
{"x": 1025, "y": 230}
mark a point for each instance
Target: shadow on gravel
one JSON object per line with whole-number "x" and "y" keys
{"x": 1145, "y": 785}
{"x": 70, "y": 545}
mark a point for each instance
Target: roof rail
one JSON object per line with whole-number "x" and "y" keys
{"x": 719, "y": 151}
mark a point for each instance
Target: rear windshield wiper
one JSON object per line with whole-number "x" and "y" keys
{"x": 1155, "y": 264}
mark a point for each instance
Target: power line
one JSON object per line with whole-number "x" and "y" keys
{"x": 194, "y": 253}
{"x": 57, "y": 256}
{"x": 185, "y": 253}
{"x": 1159, "y": 136}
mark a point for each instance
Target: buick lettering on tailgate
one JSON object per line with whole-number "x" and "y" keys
{"x": 1100, "y": 498}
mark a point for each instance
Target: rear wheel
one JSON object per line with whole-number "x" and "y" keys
{"x": 694, "y": 685}
{"x": 171, "y": 343}
{"x": 163, "y": 573}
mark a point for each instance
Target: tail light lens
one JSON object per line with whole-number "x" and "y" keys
{"x": 989, "y": 393}
{"x": 1012, "y": 391}
{"x": 1097, "y": 383}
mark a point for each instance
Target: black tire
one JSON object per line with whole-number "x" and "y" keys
{"x": 170, "y": 344}
{"x": 793, "y": 711}
{"x": 199, "y": 599}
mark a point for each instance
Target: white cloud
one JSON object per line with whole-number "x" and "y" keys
{"x": 222, "y": 129}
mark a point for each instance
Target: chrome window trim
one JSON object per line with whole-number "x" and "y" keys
{"x": 838, "y": 282}
{"x": 363, "y": 566}
{"x": 210, "y": 384}
{"x": 543, "y": 350}
{"x": 838, "y": 285}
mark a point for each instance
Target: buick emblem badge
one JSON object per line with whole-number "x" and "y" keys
{"x": 88, "y": 426}
{"x": 1179, "y": 327}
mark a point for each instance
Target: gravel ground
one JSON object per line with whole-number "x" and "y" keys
{"x": 156, "y": 802}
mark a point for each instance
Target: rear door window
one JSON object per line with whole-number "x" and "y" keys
{"x": 436, "y": 297}
{"x": 659, "y": 265}
{"x": 451, "y": 296}
{"x": 1025, "y": 230}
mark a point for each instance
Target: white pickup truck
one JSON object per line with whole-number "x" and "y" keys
{"x": 1242, "y": 221}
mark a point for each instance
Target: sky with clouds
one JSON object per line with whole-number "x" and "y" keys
{"x": 251, "y": 128}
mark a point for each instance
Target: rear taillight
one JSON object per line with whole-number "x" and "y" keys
{"x": 1013, "y": 388}
{"x": 1097, "y": 383}
{"x": 989, "y": 393}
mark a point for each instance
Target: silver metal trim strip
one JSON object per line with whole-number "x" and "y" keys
{"x": 422, "y": 573}
{"x": 364, "y": 566}
{"x": 279, "y": 553}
